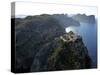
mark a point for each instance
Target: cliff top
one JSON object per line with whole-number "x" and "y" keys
{"x": 71, "y": 36}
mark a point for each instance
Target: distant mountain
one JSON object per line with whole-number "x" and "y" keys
{"x": 65, "y": 20}
{"x": 20, "y": 16}
{"x": 39, "y": 46}
{"x": 84, "y": 18}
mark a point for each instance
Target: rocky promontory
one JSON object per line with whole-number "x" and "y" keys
{"x": 43, "y": 45}
{"x": 71, "y": 53}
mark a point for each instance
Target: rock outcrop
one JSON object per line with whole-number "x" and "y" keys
{"x": 70, "y": 54}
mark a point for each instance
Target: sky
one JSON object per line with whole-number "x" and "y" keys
{"x": 30, "y": 8}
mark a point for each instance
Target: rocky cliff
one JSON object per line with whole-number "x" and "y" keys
{"x": 84, "y": 18}
{"x": 43, "y": 45}
{"x": 70, "y": 53}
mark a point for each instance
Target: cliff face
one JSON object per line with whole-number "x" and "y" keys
{"x": 42, "y": 45}
{"x": 84, "y": 18}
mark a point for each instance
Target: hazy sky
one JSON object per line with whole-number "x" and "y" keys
{"x": 30, "y": 8}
